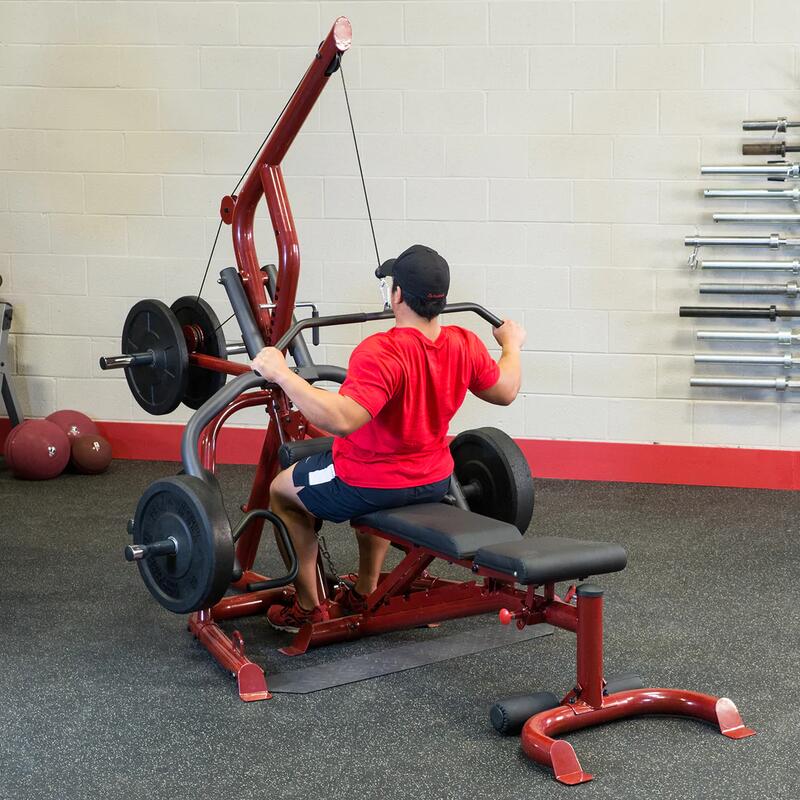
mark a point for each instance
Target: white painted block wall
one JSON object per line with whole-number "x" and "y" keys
{"x": 550, "y": 150}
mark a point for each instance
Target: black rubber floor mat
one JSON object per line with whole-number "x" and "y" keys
{"x": 397, "y": 659}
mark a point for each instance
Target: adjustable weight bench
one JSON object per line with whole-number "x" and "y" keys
{"x": 504, "y": 560}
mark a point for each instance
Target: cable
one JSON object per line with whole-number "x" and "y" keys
{"x": 360, "y": 170}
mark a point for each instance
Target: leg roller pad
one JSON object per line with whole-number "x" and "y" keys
{"x": 509, "y": 715}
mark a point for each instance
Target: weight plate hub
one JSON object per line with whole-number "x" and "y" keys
{"x": 158, "y": 387}
{"x": 495, "y": 476}
{"x": 201, "y": 327}
{"x": 191, "y": 511}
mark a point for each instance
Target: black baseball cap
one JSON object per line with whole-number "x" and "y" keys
{"x": 420, "y": 271}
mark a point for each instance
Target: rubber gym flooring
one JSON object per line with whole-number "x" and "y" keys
{"x": 103, "y": 694}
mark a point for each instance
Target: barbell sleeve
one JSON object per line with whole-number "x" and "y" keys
{"x": 755, "y": 194}
{"x": 785, "y": 337}
{"x": 779, "y": 384}
{"x": 769, "y": 149}
{"x": 773, "y": 241}
{"x": 781, "y": 171}
{"x": 776, "y": 219}
{"x": 778, "y": 125}
{"x": 788, "y": 289}
{"x": 784, "y": 360}
{"x": 731, "y": 312}
{"x": 146, "y": 359}
{"x": 165, "y": 547}
{"x": 767, "y": 266}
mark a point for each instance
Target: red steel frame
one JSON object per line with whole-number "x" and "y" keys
{"x": 264, "y": 180}
{"x": 586, "y": 704}
{"x": 408, "y": 596}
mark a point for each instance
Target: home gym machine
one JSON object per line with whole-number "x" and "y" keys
{"x": 193, "y": 562}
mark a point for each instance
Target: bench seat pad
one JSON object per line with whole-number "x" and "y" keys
{"x": 445, "y": 529}
{"x": 546, "y": 559}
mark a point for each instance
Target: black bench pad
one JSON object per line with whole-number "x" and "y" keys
{"x": 546, "y": 559}
{"x": 291, "y": 452}
{"x": 448, "y": 530}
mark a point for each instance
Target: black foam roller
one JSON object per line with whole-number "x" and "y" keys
{"x": 510, "y": 714}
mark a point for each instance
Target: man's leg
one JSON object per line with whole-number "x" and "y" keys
{"x": 287, "y": 505}
{"x": 371, "y": 553}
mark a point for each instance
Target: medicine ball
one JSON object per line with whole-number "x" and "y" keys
{"x": 91, "y": 454}
{"x": 37, "y": 450}
{"x": 73, "y": 423}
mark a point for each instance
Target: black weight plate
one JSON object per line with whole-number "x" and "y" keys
{"x": 190, "y": 510}
{"x": 203, "y": 383}
{"x": 492, "y": 461}
{"x": 157, "y": 388}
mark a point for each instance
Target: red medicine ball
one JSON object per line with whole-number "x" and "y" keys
{"x": 91, "y": 454}
{"x": 73, "y": 423}
{"x": 37, "y": 450}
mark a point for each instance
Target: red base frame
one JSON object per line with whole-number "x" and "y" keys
{"x": 587, "y": 705}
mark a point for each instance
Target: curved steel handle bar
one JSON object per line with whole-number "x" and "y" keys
{"x": 280, "y": 526}
{"x": 228, "y": 393}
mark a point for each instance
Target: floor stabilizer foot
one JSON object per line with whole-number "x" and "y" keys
{"x": 565, "y": 764}
{"x": 730, "y": 721}
{"x": 252, "y": 683}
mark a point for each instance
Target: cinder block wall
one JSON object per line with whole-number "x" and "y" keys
{"x": 549, "y": 150}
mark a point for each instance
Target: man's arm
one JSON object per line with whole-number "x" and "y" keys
{"x": 327, "y": 410}
{"x": 511, "y": 336}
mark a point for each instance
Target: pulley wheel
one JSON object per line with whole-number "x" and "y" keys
{"x": 494, "y": 476}
{"x": 160, "y": 386}
{"x": 203, "y": 334}
{"x": 190, "y": 511}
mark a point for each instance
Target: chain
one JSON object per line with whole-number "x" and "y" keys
{"x": 326, "y": 557}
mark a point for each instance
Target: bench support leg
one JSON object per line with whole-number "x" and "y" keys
{"x": 586, "y": 705}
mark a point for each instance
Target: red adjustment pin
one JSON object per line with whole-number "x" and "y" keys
{"x": 505, "y": 616}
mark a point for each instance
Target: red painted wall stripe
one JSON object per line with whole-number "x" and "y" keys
{"x": 577, "y": 460}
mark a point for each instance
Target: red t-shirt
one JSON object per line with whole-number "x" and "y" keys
{"x": 411, "y": 387}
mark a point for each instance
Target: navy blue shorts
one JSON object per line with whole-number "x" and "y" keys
{"x": 328, "y": 497}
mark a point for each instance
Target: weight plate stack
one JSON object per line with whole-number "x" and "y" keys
{"x": 494, "y": 476}
{"x": 158, "y": 387}
{"x": 202, "y": 332}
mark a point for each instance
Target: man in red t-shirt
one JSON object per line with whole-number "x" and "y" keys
{"x": 390, "y": 418}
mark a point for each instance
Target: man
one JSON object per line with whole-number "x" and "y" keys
{"x": 390, "y": 419}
